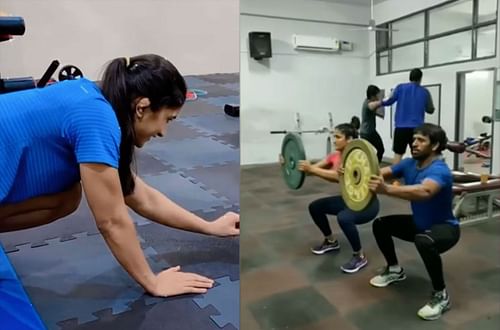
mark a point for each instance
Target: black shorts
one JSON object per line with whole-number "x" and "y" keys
{"x": 403, "y": 136}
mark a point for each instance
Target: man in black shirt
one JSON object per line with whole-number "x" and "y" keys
{"x": 368, "y": 121}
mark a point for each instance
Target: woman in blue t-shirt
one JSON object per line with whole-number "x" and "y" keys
{"x": 74, "y": 134}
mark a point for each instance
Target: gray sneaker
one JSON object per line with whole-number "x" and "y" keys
{"x": 439, "y": 303}
{"x": 355, "y": 264}
{"x": 326, "y": 246}
{"x": 387, "y": 277}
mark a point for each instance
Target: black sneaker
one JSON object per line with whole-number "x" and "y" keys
{"x": 355, "y": 264}
{"x": 232, "y": 110}
{"x": 325, "y": 247}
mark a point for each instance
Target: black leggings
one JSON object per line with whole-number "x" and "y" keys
{"x": 375, "y": 139}
{"x": 430, "y": 243}
{"x": 347, "y": 218}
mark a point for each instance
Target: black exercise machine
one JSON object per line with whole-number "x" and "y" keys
{"x": 14, "y": 26}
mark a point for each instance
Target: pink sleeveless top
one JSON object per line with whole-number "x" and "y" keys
{"x": 334, "y": 160}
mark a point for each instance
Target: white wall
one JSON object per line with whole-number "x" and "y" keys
{"x": 307, "y": 9}
{"x": 310, "y": 83}
{"x": 198, "y": 36}
{"x": 444, "y": 75}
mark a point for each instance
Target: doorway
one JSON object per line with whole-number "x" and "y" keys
{"x": 474, "y": 120}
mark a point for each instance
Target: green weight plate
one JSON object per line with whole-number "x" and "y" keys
{"x": 292, "y": 151}
{"x": 359, "y": 161}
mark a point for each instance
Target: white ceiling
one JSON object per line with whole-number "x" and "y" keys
{"x": 355, "y": 2}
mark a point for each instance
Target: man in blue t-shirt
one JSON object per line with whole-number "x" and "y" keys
{"x": 432, "y": 226}
{"x": 413, "y": 101}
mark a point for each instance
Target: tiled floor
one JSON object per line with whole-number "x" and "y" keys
{"x": 285, "y": 286}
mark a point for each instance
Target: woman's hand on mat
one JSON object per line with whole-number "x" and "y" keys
{"x": 227, "y": 225}
{"x": 377, "y": 184}
{"x": 340, "y": 171}
{"x": 173, "y": 282}
{"x": 305, "y": 166}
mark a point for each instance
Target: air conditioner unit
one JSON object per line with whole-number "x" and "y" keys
{"x": 315, "y": 43}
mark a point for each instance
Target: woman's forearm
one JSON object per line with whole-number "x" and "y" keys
{"x": 159, "y": 208}
{"x": 121, "y": 237}
{"x": 325, "y": 174}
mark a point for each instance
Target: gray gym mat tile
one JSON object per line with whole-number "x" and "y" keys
{"x": 218, "y": 124}
{"x": 178, "y": 131}
{"x": 221, "y": 78}
{"x": 145, "y": 164}
{"x": 184, "y": 192}
{"x": 231, "y": 139}
{"x": 199, "y": 108}
{"x": 233, "y": 86}
{"x": 193, "y": 153}
{"x": 197, "y": 82}
{"x": 217, "y": 90}
{"x": 74, "y": 279}
{"x": 220, "y": 101}
{"x": 221, "y": 180}
{"x": 210, "y": 256}
{"x": 206, "y": 255}
{"x": 225, "y": 297}
{"x": 175, "y": 313}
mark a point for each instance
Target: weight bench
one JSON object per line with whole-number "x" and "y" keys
{"x": 467, "y": 186}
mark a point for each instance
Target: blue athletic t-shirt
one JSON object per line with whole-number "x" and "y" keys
{"x": 413, "y": 100}
{"x": 46, "y": 133}
{"x": 438, "y": 209}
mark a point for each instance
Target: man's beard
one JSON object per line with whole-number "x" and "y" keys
{"x": 423, "y": 155}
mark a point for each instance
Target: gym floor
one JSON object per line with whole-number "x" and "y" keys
{"x": 73, "y": 280}
{"x": 285, "y": 286}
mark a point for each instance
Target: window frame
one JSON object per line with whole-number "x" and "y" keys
{"x": 427, "y": 38}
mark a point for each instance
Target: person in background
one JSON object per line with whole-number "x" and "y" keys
{"x": 413, "y": 101}
{"x": 369, "y": 121}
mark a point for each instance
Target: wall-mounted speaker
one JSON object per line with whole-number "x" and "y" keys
{"x": 260, "y": 45}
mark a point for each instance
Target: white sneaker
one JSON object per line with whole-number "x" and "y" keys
{"x": 387, "y": 277}
{"x": 439, "y": 303}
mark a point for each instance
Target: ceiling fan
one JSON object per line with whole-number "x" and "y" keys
{"x": 372, "y": 26}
